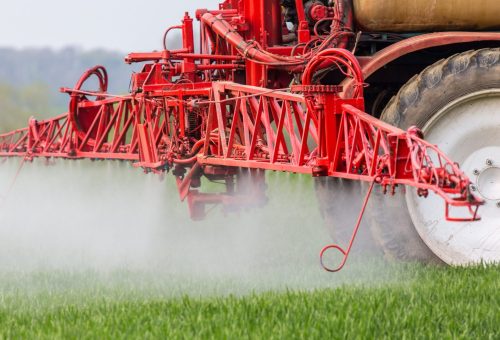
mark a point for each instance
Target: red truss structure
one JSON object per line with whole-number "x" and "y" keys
{"x": 190, "y": 114}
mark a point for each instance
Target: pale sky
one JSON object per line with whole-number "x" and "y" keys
{"x": 123, "y": 25}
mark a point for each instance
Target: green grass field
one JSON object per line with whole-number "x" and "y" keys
{"x": 415, "y": 302}
{"x": 135, "y": 267}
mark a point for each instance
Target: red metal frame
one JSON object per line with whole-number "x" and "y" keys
{"x": 187, "y": 113}
{"x": 421, "y": 42}
{"x": 314, "y": 132}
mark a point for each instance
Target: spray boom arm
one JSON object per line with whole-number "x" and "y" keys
{"x": 206, "y": 124}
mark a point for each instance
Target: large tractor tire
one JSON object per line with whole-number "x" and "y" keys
{"x": 456, "y": 103}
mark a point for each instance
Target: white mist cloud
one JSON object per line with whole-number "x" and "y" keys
{"x": 77, "y": 216}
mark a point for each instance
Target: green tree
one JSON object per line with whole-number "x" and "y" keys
{"x": 17, "y": 105}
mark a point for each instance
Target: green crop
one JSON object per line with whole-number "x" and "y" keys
{"x": 416, "y": 302}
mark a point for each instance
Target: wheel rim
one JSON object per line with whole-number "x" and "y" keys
{"x": 467, "y": 130}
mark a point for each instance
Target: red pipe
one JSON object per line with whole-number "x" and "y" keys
{"x": 226, "y": 12}
{"x": 247, "y": 49}
{"x": 165, "y": 35}
{"x": 217, "y": 67}
{"x": 193, "y": 155}
{"x": 189, "y": 161}
{"x": 338, "y": 57}
{"x": 343, "y": 21}
{"x": 206, "y": 56}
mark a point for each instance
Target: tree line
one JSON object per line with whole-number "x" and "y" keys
{"x": 30, "y": 80}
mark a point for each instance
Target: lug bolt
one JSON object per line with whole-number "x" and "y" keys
{"x": 489, "y": 162}
{"x": 476, "y": 172}
{"x": 498, "y": 204}
{"x": 473, "y": 188}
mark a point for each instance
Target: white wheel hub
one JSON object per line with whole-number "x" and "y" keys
{"x": 468, "y": 131}
{"x": 488, "y": 183}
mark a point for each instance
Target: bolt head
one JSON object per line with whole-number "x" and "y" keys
{"x": 476, "y": 172}
{"x": 473, "y": 188}
{"x": 489, "y": 162}
{"x": 498, "y": 204}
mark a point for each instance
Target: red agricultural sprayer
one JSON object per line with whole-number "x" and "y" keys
{"x": 286, "y": 86}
